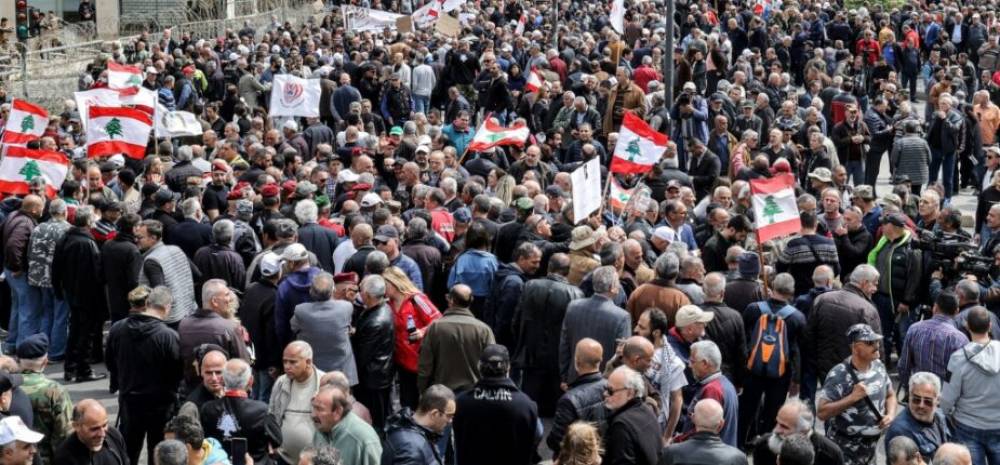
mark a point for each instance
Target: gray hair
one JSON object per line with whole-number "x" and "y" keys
{"x": 967, "y": 290}
{"x": 236, "y": 375}
{"x": 376, "y": 262}
{"x": 605, "y": 279}
{"x": 373, "y": 286}
{"x": 223, "y": 231}
{"x": 783, "y": 284}
{"x": 902, "y": 448}
{"x": 58, "y": 208}
{"x": 171, "y": 452}
{"x": 449, "y": 186}
{"x": 797, "y": 449}
{"x": 306, "y": 211}
{"x": 160, "y": 298}
{"x": 183, "y": 153}
{"x": 416, "y": 229}
{"x": 667, "y": 266}
{"x": 707, "y": 351}
{"x": 863, "y": 274}
{"x": 823, "y": 275}
{"x": 302, "y": 347}
{"x": 924, "y": 377}
{"x": 84, "y": 216}
{"x": 714, "y": 285}
{"x": 212, "y": 288}
{"x": 190, "y": 207}
{"x": 322, "y": 287}
{"x": 805, "y": 418}
{"x": 633, "y": 381}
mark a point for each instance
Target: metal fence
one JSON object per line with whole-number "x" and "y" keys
{"x": 48, "y": 76}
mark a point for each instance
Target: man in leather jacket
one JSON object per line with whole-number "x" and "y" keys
{"x": 373, "y": 343}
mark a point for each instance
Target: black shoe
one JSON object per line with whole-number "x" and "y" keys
{"x": 69, "y": 378}
{"x": 87, "y": 377}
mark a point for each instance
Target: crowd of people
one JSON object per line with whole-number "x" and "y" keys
{"x": 360, "y": 287}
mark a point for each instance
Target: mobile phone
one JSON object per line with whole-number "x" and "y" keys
{"x": 238, "y": 451}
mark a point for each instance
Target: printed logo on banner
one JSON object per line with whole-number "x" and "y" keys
{"x": 292, "y": 94}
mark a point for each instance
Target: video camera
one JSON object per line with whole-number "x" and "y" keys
{"x": 953, "y": 254}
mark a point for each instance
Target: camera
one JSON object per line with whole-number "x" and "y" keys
{"x": 954, "y": 254}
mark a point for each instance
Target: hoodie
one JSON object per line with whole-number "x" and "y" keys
{"x": 144, "y": 359}
{"x": 970, "y": 396}
{"x": 293, "y": 290}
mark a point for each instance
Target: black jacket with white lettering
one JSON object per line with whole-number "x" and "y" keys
{"x": 495, "y": 424}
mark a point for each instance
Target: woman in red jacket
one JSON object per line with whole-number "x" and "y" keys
{"x": 413, "y": 312}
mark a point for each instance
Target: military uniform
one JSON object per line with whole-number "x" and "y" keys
{"x": 856, "y": 429}
{"x": 53, "y": 411}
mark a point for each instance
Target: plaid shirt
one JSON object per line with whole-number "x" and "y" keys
{"x": 928, "y": 346}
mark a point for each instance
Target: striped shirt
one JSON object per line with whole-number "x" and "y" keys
{"x": 928, "y": 346}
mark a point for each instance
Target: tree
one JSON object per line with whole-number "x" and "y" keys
{"x": 133, "y": 80}
{"x": 30, "y": 170}
{"x": 113, "y": 128}
{"x": 633, "y": 149}
{"x": 771, "y": 208}
{"x": 27, "y": 124}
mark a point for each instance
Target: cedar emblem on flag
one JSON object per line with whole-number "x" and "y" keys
{"x": 492, "y": 134}
{"x": 112, "y": 131}
{"x": 774, "y": 207}
{"x": 25, "y": 123}
{"x": 639, "y": 146}
{"x": 21, "y": 166}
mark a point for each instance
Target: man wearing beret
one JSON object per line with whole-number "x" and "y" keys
{"x": 50, "y": 401}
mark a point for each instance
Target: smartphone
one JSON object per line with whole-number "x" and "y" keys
{"x": 238, "y": 451}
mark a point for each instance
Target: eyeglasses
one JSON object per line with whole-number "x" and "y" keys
{"x": 925, "y": 401}
{"x": 610, "y": 392}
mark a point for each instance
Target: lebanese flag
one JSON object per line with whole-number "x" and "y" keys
{"x": 123, "y": 78}
{"x": 492, "y": 134}
{"x": 639, "y": 146}
{"x": 111, "y": 131}
{"x": 27, "y": 122}
{"x": 774, "y": 207}
{"x": 21, "y": 165}
{"x": 619, "y": 196}
{"x": 519, "y": 30}
{"x": 143, "y": 99}
{"x": 534, "y": 82}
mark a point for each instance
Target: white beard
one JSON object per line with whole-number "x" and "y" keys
{"x": 774, "y": 443}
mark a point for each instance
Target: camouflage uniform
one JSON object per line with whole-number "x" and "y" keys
{"x": 41, "y": 250}
{"x": 53, "y": 411}
{"x": 856, "y": 429}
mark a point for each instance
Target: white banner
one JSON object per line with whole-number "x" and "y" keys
{"x": 586, "y": 189}
{"x": 366, "y": 19}
{"x": 294, "y": 96}
{"x": 175, "y": 123}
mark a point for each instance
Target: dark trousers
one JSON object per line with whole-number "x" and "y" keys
{"x": 542, "y": 386}
{"x": 139, "y": 421}
{"x": 756, "y": 418}
{"x": 872, "y": 161}
{"x": 409, "y": 395}
{"x": 83, "y": 325}
{"x": 377, "y": 401}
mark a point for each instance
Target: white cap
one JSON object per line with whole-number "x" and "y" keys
{"x": 422, "y": 148}
{"x": 295, "y": 253}
{"x": 291, "y": 125}
{"x": 665, "y": 233}
{"x": 347, "y": 176}
{"x": 270, "y": 264}
{"x": 118, "y": 160}
{"x": 13, "y": 429}
{"x": 152, "y": 70}
{"x": 370, "y": 199}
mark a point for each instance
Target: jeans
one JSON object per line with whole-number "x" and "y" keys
{"x": 421, "y": 103}
{"x": 55, "y": 321}
{"x": 856, "y": 171}
{"x": 984, "y": 444}
{"x": 945, "y": 163}
{"x": 25, "y": 315}
{"x": 262, "y": 384}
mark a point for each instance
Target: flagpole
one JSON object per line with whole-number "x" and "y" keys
{"x": 607, "y": 189}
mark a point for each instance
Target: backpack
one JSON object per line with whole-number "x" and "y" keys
{"x": 769, "y": 354}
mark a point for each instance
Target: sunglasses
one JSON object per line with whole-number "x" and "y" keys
{"x": 610, "y": 392}
{"x": 925, "y": 401}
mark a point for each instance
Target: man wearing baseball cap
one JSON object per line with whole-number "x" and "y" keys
{"x": 514, "y": 429}
{"x": 18, "y": 442}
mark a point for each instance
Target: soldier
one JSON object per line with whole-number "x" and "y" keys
{"x": 50, "y": 402}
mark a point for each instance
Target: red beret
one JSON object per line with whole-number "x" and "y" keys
{"x": 288, "y": 187}
{"x": 235, "y": 194}
{"x": 361, "y": 186}
{"x": 350, "y": 277}
{"x": 269, "y": 190}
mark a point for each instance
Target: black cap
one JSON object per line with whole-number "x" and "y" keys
{"x": 165, "y": 195}
{"x": 495, "y": 355}
{"x": 895, "y": 219}
{"x": 554, "y": 191}
{"x": 386, "y": 232}
{"x": 33, "y": 347}
{"x": 9, "y": 381}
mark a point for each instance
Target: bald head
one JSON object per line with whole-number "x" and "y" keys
{"x": 708, "y": 416}
{"x": 636, "y": 346}
{"x": 952, "y": 454}
{"x": 88, "y": 407}
{"x": 33, "y": 205}
{"x": 589, "y": 354}
{"x": 362, "y": 234}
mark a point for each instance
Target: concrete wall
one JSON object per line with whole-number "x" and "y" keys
{"x": 107, "y": 19}
{"x": 7, "y": 10}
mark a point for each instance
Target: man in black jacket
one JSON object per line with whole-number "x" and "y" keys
{"x": 537, "y": 324}
{"x": 726, "y": 329}
{"x": 705, "y": 167}
{"x": 373, "y": 343}
{"x": 633, "y": 434}
{"x": 852, "y": 239}
{"x": 795, "y": 417}
{"x": 121, "y": 262}
{"x": 704, "y": 446}
{"x": 144, "y": 359}
{"x": 257, "y": 315}
{"x": 411, "y": 437}
{"x": 317, "y": 239}
{"x": 93, "y": 441}
{"x": 76, "y": 278}
{"x": 514, "y": 428}
{"x": 584, "y": 397}
{"x": 236, "y": 416}
{"x": 896, "y": 256}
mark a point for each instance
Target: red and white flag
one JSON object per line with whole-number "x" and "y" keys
{"x": 534, "y": 83}
{"x": 619, "y": 196}
{"x": 492, "y": 134}
{"x": 774, "y": 207}
{"x": 25, "y": 123}
{"x": 519, "y": 30}
{"x": 144, "y": 100}
{"x": 22, "y": 165}
{"x": 111, "y": 131}
{"x": 639, "y": 146}
{"x": 124, "y": 78}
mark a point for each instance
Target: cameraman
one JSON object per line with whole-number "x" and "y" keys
{"x": 901, "y": 265}
{"x": 690, "y": 116}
